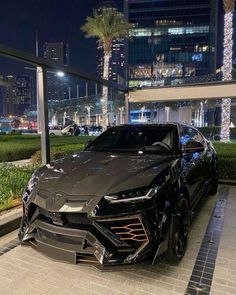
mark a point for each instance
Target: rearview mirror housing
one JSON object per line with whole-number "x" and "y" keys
{"x": 88, "y": 143}
{"x": 193, "y": 147}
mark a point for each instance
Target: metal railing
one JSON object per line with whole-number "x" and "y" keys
{"x": 42, "y": 65}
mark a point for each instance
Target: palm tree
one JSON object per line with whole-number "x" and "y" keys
{"x": 227, "y": 68}
{"x": 106, "y": 25}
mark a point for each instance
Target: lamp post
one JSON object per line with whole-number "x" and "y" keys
{"x": 88, "y": 108}
{"x": 38, "y": 73}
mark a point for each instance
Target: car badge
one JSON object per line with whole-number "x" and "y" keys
{"x": 56, "y": 218}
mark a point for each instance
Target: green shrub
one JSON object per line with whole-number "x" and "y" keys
{"x": 227, "y": 168}
{"x": 226, "y": 153}
{"x": 12, "y": 183}
{"x": 58, "y": 152}
{"x": 210, "y": 132}
{"x": 15, "y": 132}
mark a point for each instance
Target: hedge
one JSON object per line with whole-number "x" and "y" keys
{"x": 20, "y": 147}
{"x": 210, "y": 132}
{"x": 226, "y": 153}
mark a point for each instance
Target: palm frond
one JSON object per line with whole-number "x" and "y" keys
{"x": 228, "y": 5}
{"x": 106, "y": 25}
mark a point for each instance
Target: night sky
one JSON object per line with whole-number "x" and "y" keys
{"x": 55, "y": 21}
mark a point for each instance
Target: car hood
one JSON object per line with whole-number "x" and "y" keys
{"x": 99, "y": 174}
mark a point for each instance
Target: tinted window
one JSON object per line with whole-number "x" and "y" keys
{"x": 135, "y": 139}
{"x": 188, "y": 133}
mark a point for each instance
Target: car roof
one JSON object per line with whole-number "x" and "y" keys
{"x": 169, "y": 124}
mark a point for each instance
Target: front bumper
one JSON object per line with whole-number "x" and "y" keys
{"x": 76, "y": 239}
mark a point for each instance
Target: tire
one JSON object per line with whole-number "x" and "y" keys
{"x": 214, "y": 186}
{"x": 178, "y": 231}
{"x": 214, "y": 181}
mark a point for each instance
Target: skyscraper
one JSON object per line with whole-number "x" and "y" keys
{"x": 57, "y": 85}
{"x": 116, "y": 64}
{"x": 171, "y": 40}
{"x": 17, "y": 94}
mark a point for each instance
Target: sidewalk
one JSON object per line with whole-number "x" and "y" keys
{"x": 21, "y": 163}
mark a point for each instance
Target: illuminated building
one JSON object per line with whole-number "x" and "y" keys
{"x": 171, "y": 40}
{"x": 17, "y": 94}
{"x": 57, "y": 84}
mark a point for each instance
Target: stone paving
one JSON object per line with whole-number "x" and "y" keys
{"x": 25, "y": 271}
{"x": 224, "y": 279}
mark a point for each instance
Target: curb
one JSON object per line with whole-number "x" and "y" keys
{"x": 227, "y": 181}
{"x": 10, "y": 223}
{"x": 21, "y": 163}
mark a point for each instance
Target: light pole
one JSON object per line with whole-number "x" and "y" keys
{"x": 88, "y": 108}
{"x": 38, "y": 73}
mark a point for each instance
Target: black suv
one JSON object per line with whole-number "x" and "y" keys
{"x": 129, "y": 195}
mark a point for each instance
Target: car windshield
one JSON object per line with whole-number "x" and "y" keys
{"x": 149, "y": 139}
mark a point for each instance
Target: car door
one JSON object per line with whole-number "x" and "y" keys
{"x": 195, "y": 164}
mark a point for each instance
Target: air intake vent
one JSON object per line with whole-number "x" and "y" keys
{"x": 88, "y": 259}
{"x": 127, "y": 228}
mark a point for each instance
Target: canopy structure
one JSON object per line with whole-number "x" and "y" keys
{"x": 210, "y": 90}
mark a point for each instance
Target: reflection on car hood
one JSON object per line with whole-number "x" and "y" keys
{"x": 99, "y": 174}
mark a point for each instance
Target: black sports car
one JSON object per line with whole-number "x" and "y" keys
{"x": 129, "y": 195}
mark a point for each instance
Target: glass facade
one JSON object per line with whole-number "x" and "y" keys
{"x": 171, "y": 40}
{"x": 59, "y": 54}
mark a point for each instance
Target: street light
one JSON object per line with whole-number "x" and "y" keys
{"x": 60, "y": 74}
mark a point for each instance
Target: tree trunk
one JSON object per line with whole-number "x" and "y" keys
{"x": 105, "y": 92}
{"x": 227, "y": 75}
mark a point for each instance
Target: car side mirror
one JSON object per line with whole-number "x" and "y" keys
{"x": 88, "y": 143}
{"x": 193, "y": 147}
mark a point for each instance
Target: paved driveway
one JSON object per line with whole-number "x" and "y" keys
{"x": 25, "y": 271}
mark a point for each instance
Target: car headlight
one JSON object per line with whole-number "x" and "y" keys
{"x": 135, "y": 195}
{"x": 29, "y": 188}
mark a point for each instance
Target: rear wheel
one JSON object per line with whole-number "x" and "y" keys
{"x": 178, "y": 231}
{"x": 214, "y": 181}
{"x": 214, "y": 186}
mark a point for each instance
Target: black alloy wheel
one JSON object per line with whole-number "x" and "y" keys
{"x": 214, "y": 182}
{"x": 178, "y": 231}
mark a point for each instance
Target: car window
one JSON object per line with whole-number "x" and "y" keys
{"x": 188, "y": 133}
{"x": 133, "y": 139}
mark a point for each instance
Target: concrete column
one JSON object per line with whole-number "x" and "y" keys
{"x": 43, "y": 111}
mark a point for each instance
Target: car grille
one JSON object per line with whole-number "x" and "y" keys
{"x": 79, "y": 220}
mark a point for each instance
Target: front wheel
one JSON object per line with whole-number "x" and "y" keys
{"x": 178, "y": 231}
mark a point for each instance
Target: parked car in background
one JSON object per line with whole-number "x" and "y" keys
{"x": 70, "y": 130}
{"x": 131, "y": 194}
{"x": 95, "y": 130}
{"x": 76, "y": 130}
